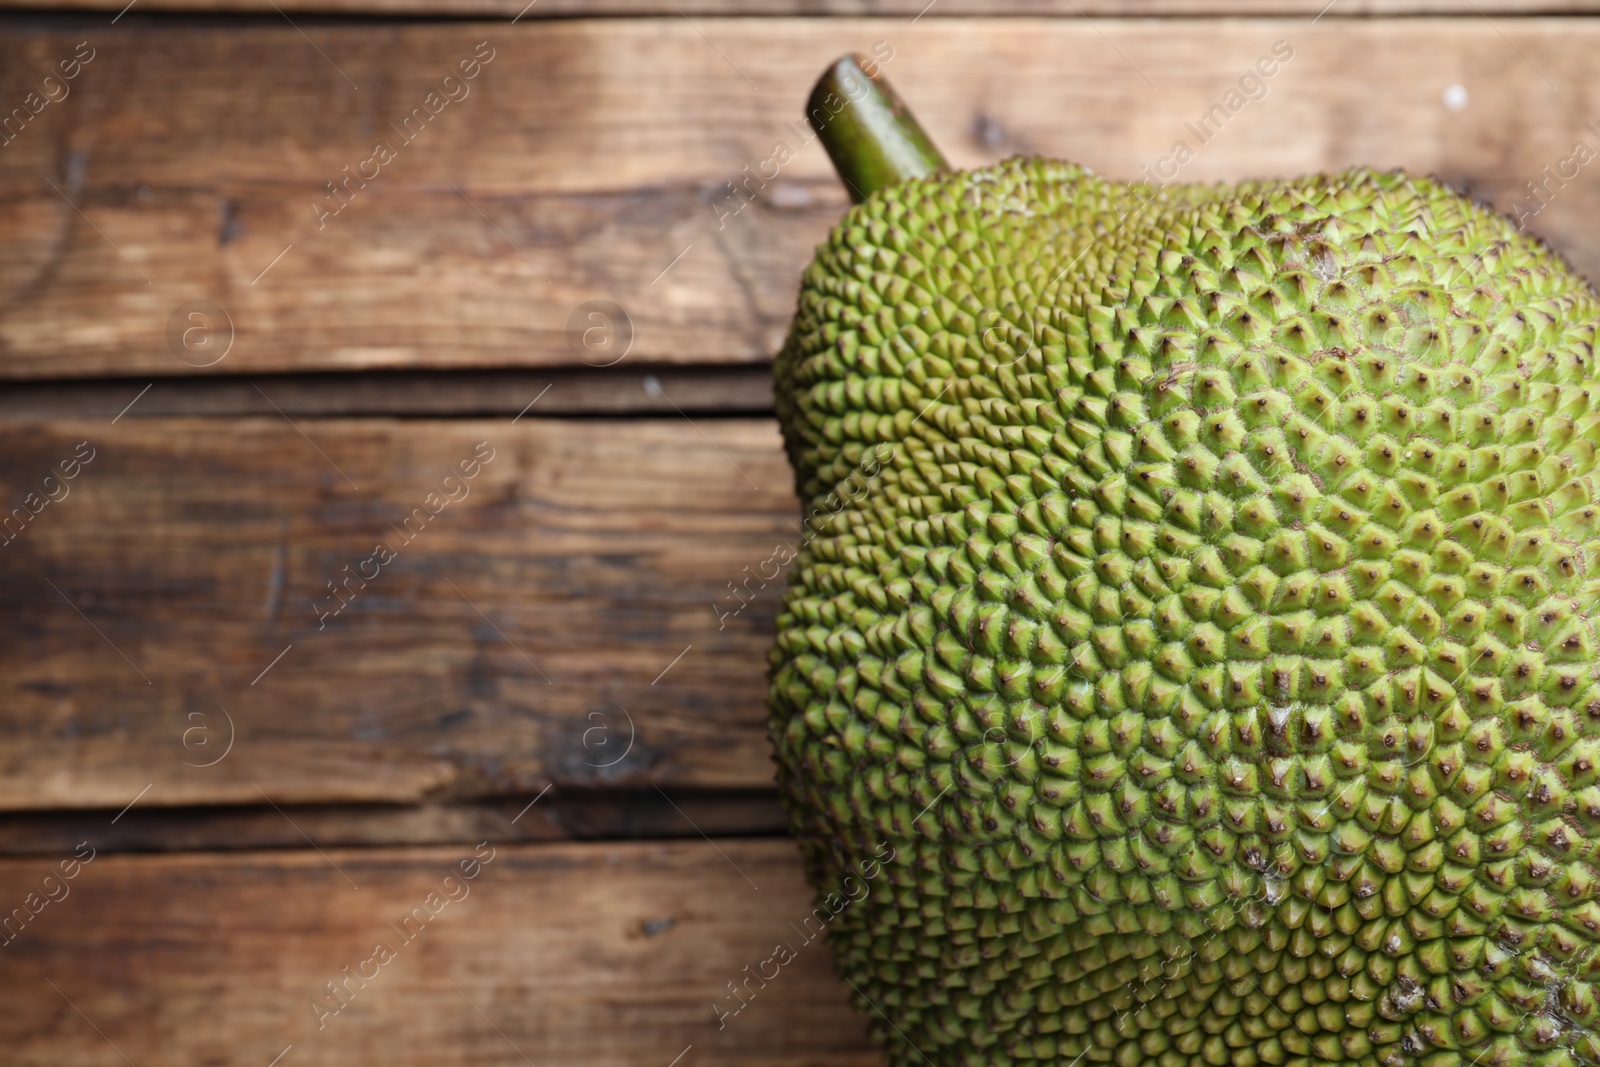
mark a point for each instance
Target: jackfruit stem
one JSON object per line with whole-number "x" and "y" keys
{"x": 870, "y": 134}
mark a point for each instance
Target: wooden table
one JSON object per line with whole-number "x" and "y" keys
{"x": 281, "y": 674}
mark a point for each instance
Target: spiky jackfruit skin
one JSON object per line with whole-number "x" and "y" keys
{"x": 1207, "y": 625}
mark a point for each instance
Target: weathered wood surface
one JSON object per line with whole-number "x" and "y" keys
{"x": 599, "y": 955}
{"x": 574, "y": 590}
{"x": 524, "y": 10}
{"x": 591, "y": 161}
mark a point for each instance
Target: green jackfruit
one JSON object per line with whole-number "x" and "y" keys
{"x": 1198, "y": 600}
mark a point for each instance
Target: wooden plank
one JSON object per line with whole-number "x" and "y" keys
{"x": 179, "y": 594}
{"x": 590, "y": 955}
{"x": 941, "y": 9}
{"x": 591, "y": 161}
{"x": 421, "y": 280}
{"x": 560, "y": 815}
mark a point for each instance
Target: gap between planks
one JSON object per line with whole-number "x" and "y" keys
{"x": 657, "y": 390}
{"x": 543, "y": 817}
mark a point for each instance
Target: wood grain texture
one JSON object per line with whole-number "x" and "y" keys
{"x": 592, "y": 955}
{"x": 591, "y": 160}
{"x": 567, "y": 603}
{"x": 940, "y": 9}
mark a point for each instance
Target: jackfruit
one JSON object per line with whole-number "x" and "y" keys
{"x": 1196, "y": 604}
